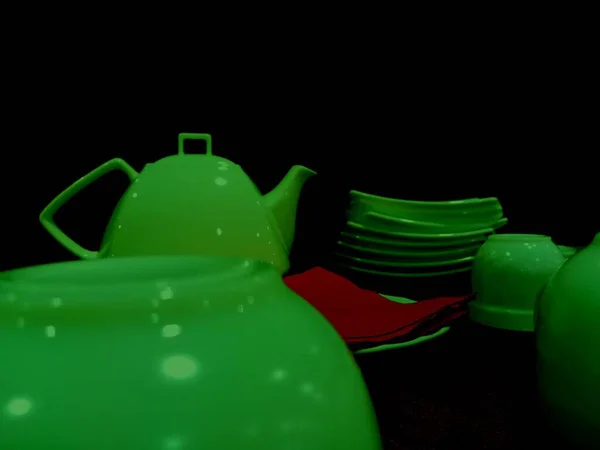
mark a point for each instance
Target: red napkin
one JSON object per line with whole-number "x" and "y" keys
{"x": 364, "y": 318}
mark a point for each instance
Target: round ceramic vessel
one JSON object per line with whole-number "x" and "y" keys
{"x": 568, "y": 342}
{"x": 508, "y": 273}
{"x": 172, "y": 353}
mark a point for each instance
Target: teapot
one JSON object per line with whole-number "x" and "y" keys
{"x": 192, "y": 204}
{"x": 173, "y": 352}
{"x": 568, "y": 343}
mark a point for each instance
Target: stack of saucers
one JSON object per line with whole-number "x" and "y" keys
{"x": 388, "y": 239}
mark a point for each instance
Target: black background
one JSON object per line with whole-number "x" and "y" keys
{"x": 515, "y": 136}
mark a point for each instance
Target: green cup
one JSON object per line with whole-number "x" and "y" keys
{"x": 508, "y": 273}
{"x": 173, "y": 352}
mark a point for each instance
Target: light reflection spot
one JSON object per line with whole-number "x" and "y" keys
{"x": 18, "y": 406}
{"x": 173, "y": 443}
{"x": 50, "y": 331}
{"x": 166, "y": 293}
{"x": 179, "y": 367}
{"x": 307, "y": 388}
{"x": 171, "y": 330}
{"x": 279, "y": 375}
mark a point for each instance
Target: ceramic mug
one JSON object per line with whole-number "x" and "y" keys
{"x": 509, "y": 272}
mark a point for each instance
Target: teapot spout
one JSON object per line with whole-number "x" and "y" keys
{"x": 283, "y": 202}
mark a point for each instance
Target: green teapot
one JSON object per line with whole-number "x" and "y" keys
{"x": 568, "y": 342}
{"x": 192, "y": 204}
{"x": 177, "y": 352}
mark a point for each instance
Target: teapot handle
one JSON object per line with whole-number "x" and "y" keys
{"x": 196, "y": 137}
{"x": 47, "y": 215}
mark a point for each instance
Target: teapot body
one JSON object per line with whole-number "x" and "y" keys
{"x": 191, "y": 204}
{"x": 179, "y": 352}
{"x": 194, "y": 204}
{"x": 568, "y": 342}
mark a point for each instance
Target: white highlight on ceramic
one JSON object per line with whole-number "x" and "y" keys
{"x": 50, "y": 331}
{"x": 171, "y": 330}
{"x": 18, "y": 406}
{"x": 166, "y": 293}
{"x": 179, "y": 367}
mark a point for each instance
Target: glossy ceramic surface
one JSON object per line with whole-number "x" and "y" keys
{"x": 192, "y": 204}
{"x": 367, "y": 239}
{"x": 383, "y": 252}
{"x": 568, "y": 342}
{"x": 399, "y": 345}
{"x": 568, "y": 251}
{"x": 378, "y": 221}
{"x": 380, "y": 218}
{"x": 173, "y": 353}
{"x": 358, "y": 209}
{"x": 508, "y": 273}
{"x": 470, "y": 203}
{"x": 375, "y": 263}
{"x": 461, "y": 212}
{"x": 439, "y": 237}
{"x": 399, "y": 274}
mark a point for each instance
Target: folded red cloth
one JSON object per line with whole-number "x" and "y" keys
{"x": 362, "y": 316}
